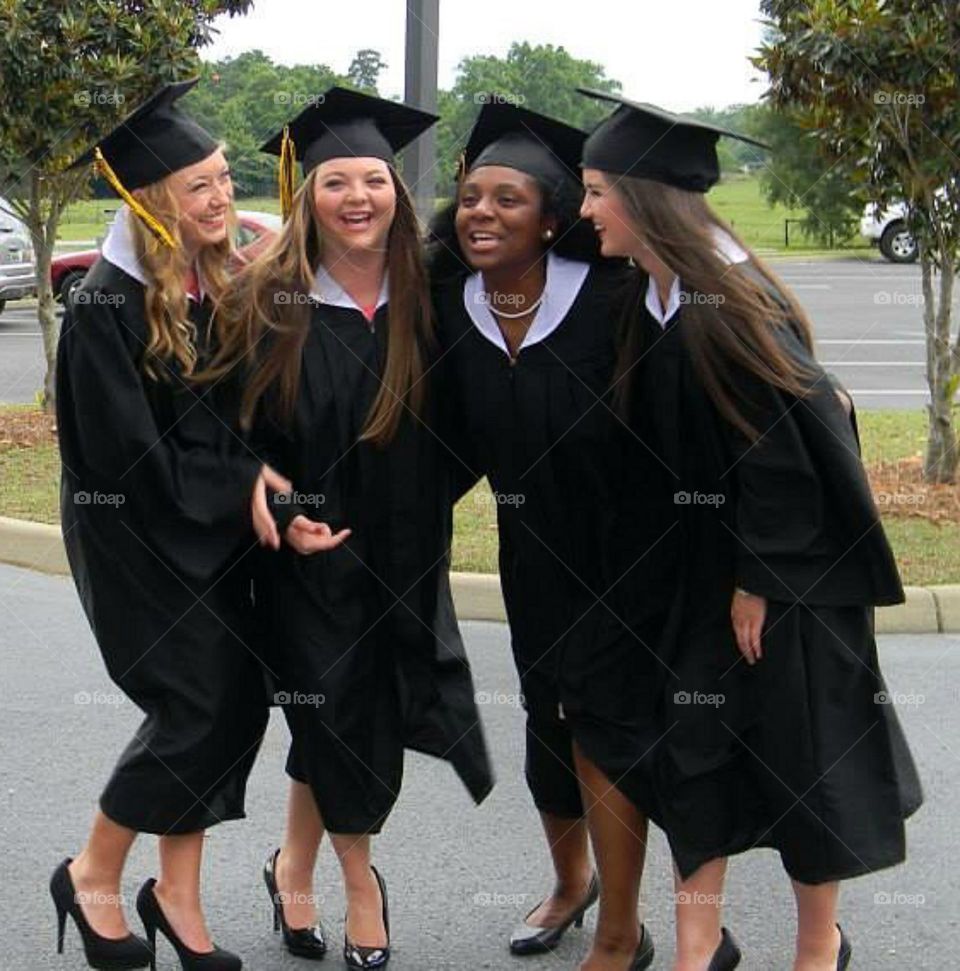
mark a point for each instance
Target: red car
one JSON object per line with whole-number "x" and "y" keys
{"x": 254, "y": 230}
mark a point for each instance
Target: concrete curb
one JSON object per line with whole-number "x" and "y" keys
{"x": 35, "y": 546}
{"x": 477, "y": 596}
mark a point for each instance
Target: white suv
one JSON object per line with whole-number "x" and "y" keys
{"x": 888, "y": 230}
{"x": 18, "y": 272}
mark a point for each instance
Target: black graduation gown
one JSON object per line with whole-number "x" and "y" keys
{"x": 155, "y": 497}
{"x": 370, "y": 658}
{"x": 541, "y": 430}
{"x": 795, "y": 752}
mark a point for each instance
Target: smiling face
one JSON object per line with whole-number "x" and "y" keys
{"x": 500, "y": 219}
{"x": 604, "y": 207}
{"x": 355, "y": 201}
{"x": 204, "y": 195}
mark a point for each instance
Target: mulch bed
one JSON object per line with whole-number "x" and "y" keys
{"x": 26, "y": 428}
{"x": 902, "y": 493}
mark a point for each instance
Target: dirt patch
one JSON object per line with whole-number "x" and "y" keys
{"x": 902, "y": 493}
{"x": 25, "y": 428}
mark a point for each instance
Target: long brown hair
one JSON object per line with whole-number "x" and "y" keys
{"x": 736, "y": 314}
{"x": 261, "y": 322}
{"x": 171, "y": 335}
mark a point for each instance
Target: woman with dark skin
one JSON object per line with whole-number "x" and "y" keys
{"x": 774, "y": 728}
{"x": 525, "y": 313}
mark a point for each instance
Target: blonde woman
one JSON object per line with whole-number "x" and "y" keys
{"x": 157, "y": 495}
{"x": 332, "y": 327}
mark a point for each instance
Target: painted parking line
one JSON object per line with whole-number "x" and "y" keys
{"x": 864, "y": 340}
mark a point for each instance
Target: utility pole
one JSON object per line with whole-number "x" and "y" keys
{"x": 420, "y": 90}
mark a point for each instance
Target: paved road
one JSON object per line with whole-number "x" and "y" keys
{"x": 867, "y": 318}
{"x": 459, "y": 877}
{"x": 21, "y": 354}
{"x": 866, "y": 314}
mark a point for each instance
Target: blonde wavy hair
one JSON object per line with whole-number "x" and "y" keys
{"x": 172, "y": 338}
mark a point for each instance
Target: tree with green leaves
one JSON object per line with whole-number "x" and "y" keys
{"x": 543, "y": 78}
{"x": 246, "y": 99}
{"x": 364, "y": 71}
{"x": 69, "y": 71}
{"x": 796, "y": 174}
{"x": 878, "y": 80}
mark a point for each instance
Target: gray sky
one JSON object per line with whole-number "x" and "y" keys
{"x": 681, "y": 54}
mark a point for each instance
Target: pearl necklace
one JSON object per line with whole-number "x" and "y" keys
{"x": 523, "y": 313}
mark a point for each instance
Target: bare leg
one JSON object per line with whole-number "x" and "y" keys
{"x": 619, "y": 834}
{"x": 567, "y": 839}
{"x": 96, "y": 874}
{"x": 818, "y": 939}
{"x": 298, "y": 857}
{"x": 364, "y": 924}
{"x": 699, "y": 902}
{"x": 178, "y": 888}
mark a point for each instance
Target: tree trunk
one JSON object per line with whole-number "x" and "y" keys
{"x": 44, "y": 233}
{"x": 49, "y": 325}
{"x": 942, "y": 456}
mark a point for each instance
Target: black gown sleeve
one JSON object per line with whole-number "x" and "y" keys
{"x": 807, "y": 526}
{"x": 458, "y": 452}
{"x": 779, "y": 492}
{"x": 191, "y": 483}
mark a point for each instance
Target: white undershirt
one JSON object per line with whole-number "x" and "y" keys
{"x": 727, "y": 249}
{"x": 564, "y": 280}
{"x": 326, "y": 290}
{"x": 119, "y": 249}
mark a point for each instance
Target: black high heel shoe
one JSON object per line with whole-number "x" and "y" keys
{"x": 102, "y": 953}
{"x": 359, "y": 956}
{"x": 155, "y": 920}
{"x": 645, "y": 952}
{"x": 304, "y": 942}
{"x": 727, "y": 955}
{"x": 846, "y": 951}
{"x": 526, "y": 939}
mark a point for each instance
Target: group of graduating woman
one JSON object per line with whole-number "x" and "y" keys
{"x": 689, "y": 577}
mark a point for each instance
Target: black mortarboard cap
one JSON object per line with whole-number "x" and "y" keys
{"x": 347, "y": 124}
{"x": 509, "y": 135}
{"x": 154, "y": 140}
{"x": 647, "y": 142}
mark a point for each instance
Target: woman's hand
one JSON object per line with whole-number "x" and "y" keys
{"x": 264, "y": 524}
{"x": 748, "y": 613}
{"x": 307, "y": 536}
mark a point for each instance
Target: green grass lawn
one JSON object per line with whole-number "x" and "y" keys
{"x": 739, "y": 201}
{"x": 928, "y": 552}
{"x": 30, "y": 483}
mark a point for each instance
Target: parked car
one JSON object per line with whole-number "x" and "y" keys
{"x": 254, "y": 230}
{"x": 18, "y": 270}
{"x": 888, "y": 230}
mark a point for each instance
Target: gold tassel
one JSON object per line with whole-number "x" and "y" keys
{"x": 149, "y": 220}
{"x": 461, "y": 166}
{"x": 288, "y": 169}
